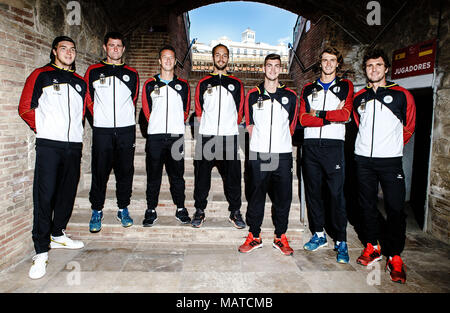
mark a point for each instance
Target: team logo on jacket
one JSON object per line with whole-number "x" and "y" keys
{"x": 336, "y": 89}
{"x": 284, "y": 100}
{"x": 388, "y": 99}
{"x": 126, "y": 78}
{"x": 231, "y": 87}
{"x": 78, "y": 87}
{"x": 178, "y": 87}
{"x": 362, "y": 106}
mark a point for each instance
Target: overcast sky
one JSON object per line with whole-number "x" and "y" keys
{"x": 230, "y": 19}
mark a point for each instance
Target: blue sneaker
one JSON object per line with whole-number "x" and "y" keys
{"x": 315, "y": 243}
{"x": 342, "y": 253}
{"x": 124, "y": 218}
{"x": 95, "y": 224}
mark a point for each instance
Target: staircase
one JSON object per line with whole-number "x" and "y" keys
{"x": 216, "y": 228}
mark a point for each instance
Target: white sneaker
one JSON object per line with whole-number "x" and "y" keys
{"x": 38, "y": 269}
{"x": 65, "y": 242}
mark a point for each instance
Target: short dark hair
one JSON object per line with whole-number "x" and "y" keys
{"x": 55, "y": 43}
{"x": 114, "y": 35}
{"x": 333, "y": 51}
{"x": 167, "y": 47}
{"x": 375, "y": 54}
{"x": 272, "y": 56}
{"x": 218, "y": 46}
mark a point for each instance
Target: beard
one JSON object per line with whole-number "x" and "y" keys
{"x": 220, "y": 68}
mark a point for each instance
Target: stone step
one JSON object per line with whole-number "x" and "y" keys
{"x": 168, "y": 229}
{"x": 217, "y": 204}
{"x": 140, "y": 181}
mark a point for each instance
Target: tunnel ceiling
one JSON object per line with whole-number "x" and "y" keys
{"x": 127, "y": 15}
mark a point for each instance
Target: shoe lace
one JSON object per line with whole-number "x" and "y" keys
{"x": 182, "y": 212}
{"x": 237, "y": 216}
{"x": 250, "y": 239}
{"x": 96, "y": 216}
{"x": 282, "y": 242}
{"x": 341, "y": 249}
{"x": 368, "y": 250}
{"x": 397, "y": 264}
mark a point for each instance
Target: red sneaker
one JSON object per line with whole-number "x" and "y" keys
{"x": 250, "y": 244}
{"x": 283, "y": 245}
{"x": 397, "y": 269}
{"x": 369, "y": 255}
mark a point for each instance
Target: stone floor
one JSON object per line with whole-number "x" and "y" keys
{"x": 146, "y": 267}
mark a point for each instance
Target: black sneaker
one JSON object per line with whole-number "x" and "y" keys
{"x": 236, "y": 219}
{"x": 150, "y": 218}
{"x": 198, "y": 219}
{"x": 182, "y": 215}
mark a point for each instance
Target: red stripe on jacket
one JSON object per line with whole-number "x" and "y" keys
{"x": 26, "y": 105}
{"x": 294, "y": 121}
{"x": 188, "y": 104}
{"x": 408, "y": 129}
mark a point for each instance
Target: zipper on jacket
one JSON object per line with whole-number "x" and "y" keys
{"x": 373, "y": 127}
{"x": 68, "y": 107}
{"x": 220, "y": 100}
{"x": 167, "y": 107}
{"x": 114, "y": 99}
{"x": 271, "y": 121}
{"x": 323, "y": 109}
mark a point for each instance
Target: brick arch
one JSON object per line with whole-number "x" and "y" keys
{"x": 349, "y": 14}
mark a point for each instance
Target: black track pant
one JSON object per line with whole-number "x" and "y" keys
{"x": 56, "y": 177}
{"x": 389, "y": 173}
{"x": 222, "y": 152}
{"x": 112, "y": 148}
{"x": 270, "y": 175}
{"x": 324, "y": 167}
{"x": 165, "y": 150}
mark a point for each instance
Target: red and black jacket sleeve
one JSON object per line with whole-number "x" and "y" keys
{"x": 186, "y": 96}
{"x": 199, "y": 91}
{"x": 252, "y": 97}
{"x": 29, "y": 99}
{"x": 146, "y": 97}
{"x": 239, "y": 99}
{"x": 408, "y": 114}
{"x": 345, "y": 94}
{"x": 293, "y": 111}
{"x": 134, "y": 89}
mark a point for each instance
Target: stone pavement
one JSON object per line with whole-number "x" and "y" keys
{"x": 149, "y": 267}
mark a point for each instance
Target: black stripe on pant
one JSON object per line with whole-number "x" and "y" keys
{"x": 56, "y": 177}
{"x": 389, "y": 173}
{"x": 112, "y": 149}
{"x": 222, "y": 152}
{"x": 270, "y": 175}
{"x": 324, "y": 169}
{"x": 168, "y": 151}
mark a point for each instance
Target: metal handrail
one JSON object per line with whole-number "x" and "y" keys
{"x": 181, "y": 64}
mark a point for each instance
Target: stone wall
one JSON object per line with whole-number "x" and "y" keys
{"x": 27, "y": 29}
{"x": 325, "y": 33}
{"x": 420, "y": 24}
